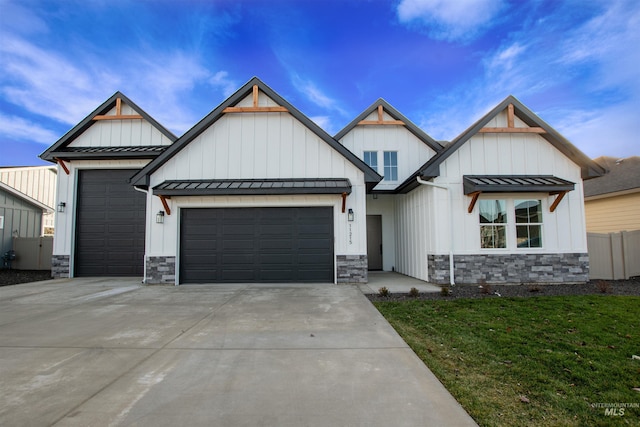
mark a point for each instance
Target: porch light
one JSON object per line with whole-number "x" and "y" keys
{"x": 61, "y": 206}
{"x": 350, "y": 215}
{"x": 160, "y": 217}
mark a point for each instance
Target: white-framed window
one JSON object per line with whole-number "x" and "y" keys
{"x": 371, "y": 159}
{"x": 510, "y": 223}
{"x": 493, "y": 224}
{"x": 390, "y": 165}
{"x": 528, "y": 223}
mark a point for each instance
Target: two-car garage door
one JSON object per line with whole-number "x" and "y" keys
{"x": 228, "y": 245}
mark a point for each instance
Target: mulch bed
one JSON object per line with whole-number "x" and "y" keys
{"x": 594, "y": 287}
{"x": 13, "y": 277}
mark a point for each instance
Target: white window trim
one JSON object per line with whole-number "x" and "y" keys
{"x": 377, "y": 168}
{"x": 511, "y": 235}
{"x": 396, "y": 166}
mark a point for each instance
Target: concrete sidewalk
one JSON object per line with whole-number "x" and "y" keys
{"x": 395, "y": 283}
{"x": 111, "y": 352}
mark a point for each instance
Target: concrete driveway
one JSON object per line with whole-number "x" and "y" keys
{"x": 111, "y": 352}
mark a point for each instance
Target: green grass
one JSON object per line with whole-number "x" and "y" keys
{"x": 560, "y": 353}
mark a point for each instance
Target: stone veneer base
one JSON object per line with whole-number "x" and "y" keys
{"x": 60, "y": 266}
{"x": 512, "y": 268}
{"x": 161, "y": 270}
{"x": 352, "y": 268}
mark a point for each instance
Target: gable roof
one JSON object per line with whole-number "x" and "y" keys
{"x": 24, "y": 197}
{"x": 431, "y": 169}
{"x": 411, "y": 127}
{"x": 141, "y": 179}
{"x": 622, "y": 175}
{"x": 58, "y": 149}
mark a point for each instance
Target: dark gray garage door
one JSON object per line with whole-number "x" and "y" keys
{"x": 256, "y": 245}
{"x": 109, "y": 225}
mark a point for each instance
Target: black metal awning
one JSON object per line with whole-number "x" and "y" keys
{"x": 96, "y": 153}
{"x": 474, "y": 185}
{"x": 239, "y": 187}
{"x": 515, "y": 184}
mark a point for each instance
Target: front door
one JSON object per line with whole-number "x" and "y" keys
{"x": 374, "y": 241}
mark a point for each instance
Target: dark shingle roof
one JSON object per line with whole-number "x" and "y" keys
{"x": 623, "y": 174}
{"x": 252, "y": 187}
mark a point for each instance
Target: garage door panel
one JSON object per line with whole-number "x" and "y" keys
{"x": 110, "y": 225}
{"x": 256, "y": 245}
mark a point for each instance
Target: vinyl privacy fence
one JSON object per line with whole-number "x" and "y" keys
{"x": 614, "y": 256}
{"x": 32, "y": 253}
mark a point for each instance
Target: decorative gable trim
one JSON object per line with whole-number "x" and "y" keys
{"x": 431, "y": 169}
{"x": 142, "y": 178}
{"x": 381, "y": 106}
{"x": 57, "y": 150}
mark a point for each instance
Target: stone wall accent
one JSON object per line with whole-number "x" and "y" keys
{"x": 161, "y": 270}
{"x": 60, "y": 266}
{"x": 352, "y": 268}
{"x": 512, "y": 268}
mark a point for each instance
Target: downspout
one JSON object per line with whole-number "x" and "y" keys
{"x": 444, "y": 187}
{"x": 144, "y": 274}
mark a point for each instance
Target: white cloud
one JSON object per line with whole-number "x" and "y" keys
{"x": 324, "y": 122}
{"x": 19, "y": 129}
{"x": 221, "y": 80}
{"x": 452, "y": 20}
{"x": 316, "y": 95}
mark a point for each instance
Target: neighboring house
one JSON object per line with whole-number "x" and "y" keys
{"x": 257, "y": 192}
{"x": 20, "y": 216}
{"x": 37, "y": 182}
{"x": 612, "y": 201}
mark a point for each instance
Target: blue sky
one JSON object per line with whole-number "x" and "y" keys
{"x": 442, "y": 63}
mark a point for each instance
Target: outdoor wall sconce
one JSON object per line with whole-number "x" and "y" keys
{"x": 160, "y": 217}
{"x": 61, "y": 206}
{"x": 350, "y": 215}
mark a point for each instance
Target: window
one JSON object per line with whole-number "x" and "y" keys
{"x": 528, "y": 223}
{"x": 371, "y": 158}
{"x": 390, "y": 165}
{"x": 509, "y": 223}
{"x": 493, "y": 224}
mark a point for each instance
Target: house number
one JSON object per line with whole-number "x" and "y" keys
{"x": 350, "y": 234}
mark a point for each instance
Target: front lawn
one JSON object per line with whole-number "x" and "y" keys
{"x": 543, "y": 361}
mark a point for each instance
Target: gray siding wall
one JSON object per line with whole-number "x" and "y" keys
{"x": 21, "y": 219}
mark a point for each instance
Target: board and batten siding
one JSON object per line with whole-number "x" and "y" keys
{"x": 260, "y": 146}
{"x": 412, "y": 152}
{"x": 20, "y": 219}
{"x": 613, "y": 213}
{"x": 37, "y": 182}
{"x": 67, "y": 190}
{"x": 121, "y": 133}
{"x": 513, "y": 154}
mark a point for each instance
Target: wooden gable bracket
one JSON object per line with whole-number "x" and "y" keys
{"x": 61, "y": 163}
{"x": 556, "y": 202}
{"x": 255, "y": 108}
{"x": 165, "y": 205}
{"x": 474, "y": 198}
{"x": 119, "y": 115}
{"x": 511, "y": 125}
{"x": 381, "y": 120}
{"x": 344, "y": 202}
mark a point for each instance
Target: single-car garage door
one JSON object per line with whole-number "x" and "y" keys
{"x": 110, "y": 225}
{"x": 238, "y": 245}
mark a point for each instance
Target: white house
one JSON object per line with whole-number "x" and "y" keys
{"x": 257, "y": 192}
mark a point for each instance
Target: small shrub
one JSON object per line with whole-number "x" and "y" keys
{"x": 384, "y": 292}
{"x": 534, "y": 288}
{"x": 414, "y": 292}
{"x": 444, "y": 291}
{"x": 603, "y": 286}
